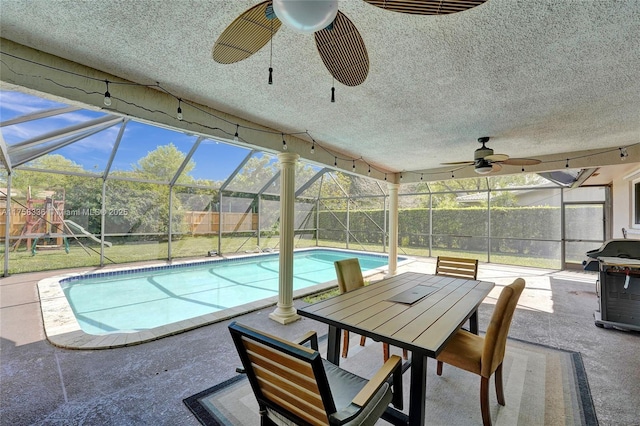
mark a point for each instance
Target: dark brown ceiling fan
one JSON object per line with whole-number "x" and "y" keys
{"x": 485, "y": 161}
{"x": 338, "y": 41}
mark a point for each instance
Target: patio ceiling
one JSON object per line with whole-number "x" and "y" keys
{"x": 546, "y": 79}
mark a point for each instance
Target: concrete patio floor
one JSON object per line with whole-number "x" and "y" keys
{"x": 41, "y": 384}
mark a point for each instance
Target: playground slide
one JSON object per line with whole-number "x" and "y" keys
{"x": 72, "y": 224}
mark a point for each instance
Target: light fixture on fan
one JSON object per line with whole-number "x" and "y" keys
{"x": 306, "y": 16}
{"x": 483, "y": 167}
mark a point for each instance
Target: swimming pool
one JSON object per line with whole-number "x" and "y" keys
{"x": 146, "y": 303}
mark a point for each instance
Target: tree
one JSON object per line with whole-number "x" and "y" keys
{"x": 162, "y": 164}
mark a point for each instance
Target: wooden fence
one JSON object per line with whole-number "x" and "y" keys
{"x": 209, "y": 222}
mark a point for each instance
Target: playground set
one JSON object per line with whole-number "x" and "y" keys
{"x": 42, "y": 224}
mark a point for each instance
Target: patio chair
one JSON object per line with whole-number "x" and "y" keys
{"x": 457, "y": 267}
{"x": 350, "y": 278}
{"x": 484, "y": 355}
{"x": 295, "y": 386}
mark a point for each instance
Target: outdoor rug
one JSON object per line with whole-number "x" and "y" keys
{"x": 542, "y": 385}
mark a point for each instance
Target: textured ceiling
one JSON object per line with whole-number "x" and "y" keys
{"x": 543, "y": 78}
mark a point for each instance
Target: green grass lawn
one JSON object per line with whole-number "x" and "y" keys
{"x": 22, "y": 260}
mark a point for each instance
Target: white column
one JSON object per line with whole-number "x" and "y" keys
{"x": 393, "y": 227}
{"x": 285, "y": 312}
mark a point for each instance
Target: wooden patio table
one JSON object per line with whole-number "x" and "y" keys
{"x": 422, "y": 327}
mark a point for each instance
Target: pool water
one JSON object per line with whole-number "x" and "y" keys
{"x": 129, "y": 301}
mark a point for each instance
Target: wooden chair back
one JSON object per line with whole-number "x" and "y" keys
{"x": 495, "y": 340}
{"x": 285, "y": 377}
{"x": 457, "y": 267}
{"x": 349, "y": 274}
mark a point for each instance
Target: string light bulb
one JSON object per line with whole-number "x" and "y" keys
{"x": 623, "y": 153}
{"x": 421, "y": 175}
{"x": 179, "y": 115}
{"x": 385, "y": 176}
{"x": 235, "y": 137}
{"x": 333, "y": 94}
{"x": 567, "y": 164}
{"x": 353, "y": 167}
{"x": 369, "y": 172}
{"x": 284, "y": 144}
{"x": 270, "y": 75}
{"x": 107, "y": 95}
{"x": 335, "y": 161}
{"x": 313, "y": 147}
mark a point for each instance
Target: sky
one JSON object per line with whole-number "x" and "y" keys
{"x": 93, "y": 152}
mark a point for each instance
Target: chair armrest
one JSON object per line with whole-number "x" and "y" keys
{"x": 392, "y": 366}
{"x": 311, "y": 337}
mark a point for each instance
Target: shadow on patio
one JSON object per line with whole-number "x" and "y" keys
{"x": 145, "y": 384}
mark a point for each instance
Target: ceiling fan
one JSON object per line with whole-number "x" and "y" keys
{"x": 485, "y": 161}
{"x": 337, "y": 39}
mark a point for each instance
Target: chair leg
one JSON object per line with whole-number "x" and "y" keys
{"x": 345, "y": 343}
{"x": 362, "y": 340}
{"x": 264, "y": 418}
{"x": 385, "y": 352}
{"x": 439, "y": 368}
{"x": 499, "y": 388}
{"x": 484, "y": 401}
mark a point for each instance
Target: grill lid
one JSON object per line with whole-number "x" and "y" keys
{"x": 626, "y": 249}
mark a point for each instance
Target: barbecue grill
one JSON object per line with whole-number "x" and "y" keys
{"x": 618, "y": 289}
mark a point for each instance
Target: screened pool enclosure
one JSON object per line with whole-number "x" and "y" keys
{"x": 86, "y": 188}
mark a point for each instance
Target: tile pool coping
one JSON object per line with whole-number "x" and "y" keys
{"x": 63, "y": 330}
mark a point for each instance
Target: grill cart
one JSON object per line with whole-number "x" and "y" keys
{"x": 618, "y": 264}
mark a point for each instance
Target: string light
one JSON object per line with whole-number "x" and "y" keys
{"x": 400, "y": 176}
{"x": 313, "y": 147}
{"x": 623, "y": 153}
{"x": 335, "y": 161}
{"x": 108, "y": 102}
{"x": 107, "y": 95}
{"x": 353, "y": 167}
{"x": 333, "y": 94}
{"x": 284, "y": 144}
{"x": 385, "y": 176}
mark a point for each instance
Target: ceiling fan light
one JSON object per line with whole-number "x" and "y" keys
{"x": 483, "y": 170}
{"x": 306, "y": 16}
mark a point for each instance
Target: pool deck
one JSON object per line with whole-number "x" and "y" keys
{"x": 144, "y": 384}
{"x": 62, "y": 328}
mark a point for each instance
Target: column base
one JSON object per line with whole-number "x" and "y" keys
{"x": 284, "y": 316}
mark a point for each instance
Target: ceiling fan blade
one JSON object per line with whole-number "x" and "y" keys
{"x": 247, "y": 34}
{"x": 343, "y": 51}
{"x": 455, "y": 163}
{"x": 497, "y": 157}
{"x": 426, "y": 7}
{"x": 521, "y": 162}
{"x": 496, "y": 167}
